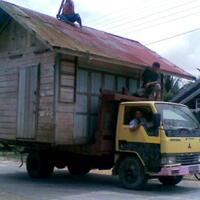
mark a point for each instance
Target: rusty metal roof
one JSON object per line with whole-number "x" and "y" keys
{"x": 88, "y": 41}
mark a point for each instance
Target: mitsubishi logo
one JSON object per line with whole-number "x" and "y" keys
{"x": 189, "y": 146}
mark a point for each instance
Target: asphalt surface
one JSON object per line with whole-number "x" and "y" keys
{"x": 15, "y": 184}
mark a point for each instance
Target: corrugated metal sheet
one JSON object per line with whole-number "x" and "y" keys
{"x": 87, "y": 40}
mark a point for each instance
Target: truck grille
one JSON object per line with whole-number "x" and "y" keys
{"x": 187, "y": 159}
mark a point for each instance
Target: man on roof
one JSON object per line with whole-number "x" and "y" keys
{"x": 68, "y": 13}
{"x": 151, "y": 87}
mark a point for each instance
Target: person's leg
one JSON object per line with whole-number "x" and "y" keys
{"x": 67, "y": 18}
{"x": 140, "y": 92}
{"x": 78, "y": 19}
{"x": 157, "y": 91}
{"x": 63, "y": 18}
{"x": 149, "y": 92}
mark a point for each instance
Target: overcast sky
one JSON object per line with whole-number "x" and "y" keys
{"x": 145, "y": 21}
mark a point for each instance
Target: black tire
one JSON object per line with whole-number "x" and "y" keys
{"x": 39, "y": 165}
{"x": 77, "y": 169}
{"x": 132, "y": 174}
{"x": 170, "y": 180}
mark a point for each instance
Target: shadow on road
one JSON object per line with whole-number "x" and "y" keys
{"x": 61, "y": 180}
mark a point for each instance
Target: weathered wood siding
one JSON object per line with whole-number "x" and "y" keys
{"x": 19, "y": 49}
{"x": 68, "y": 116}
{"x": 65, "y": 99}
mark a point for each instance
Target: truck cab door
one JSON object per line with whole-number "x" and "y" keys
{"x": 145, "y": 142}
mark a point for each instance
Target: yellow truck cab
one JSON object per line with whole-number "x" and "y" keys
{"x": 168, "y": 149}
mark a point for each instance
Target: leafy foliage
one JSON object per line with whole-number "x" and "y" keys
{"x": 171, "y": 87}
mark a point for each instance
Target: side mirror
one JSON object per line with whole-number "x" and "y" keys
{"x": 156, "y": 120}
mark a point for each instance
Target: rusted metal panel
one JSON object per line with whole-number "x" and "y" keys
{"x": 89, "y": 42}
{"x": 133, "y": 83}
{"x": 81, "y": 128}
{"x": 82, "y": 81}
{"x": 89, "y": 83}
{"x": 109, "y": 82}
{"x": 94, "y": 104}
{"x": 121, "y": 83}
{"x": 96, "y": 82}
{"x": 82, "y": 103}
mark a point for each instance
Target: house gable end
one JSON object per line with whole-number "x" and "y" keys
{"x": 15, "y": 38}
{"x": 7, "y": 13}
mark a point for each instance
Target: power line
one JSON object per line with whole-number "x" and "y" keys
{"x": 147, "y": 16}
{"x": 161, "y": 23}
{"x": 138, "y": 11}
{"x": 174, "y": 36}
{"x": 116, "y": 13}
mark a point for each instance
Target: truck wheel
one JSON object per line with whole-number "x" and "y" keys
{"x": 170, "y": 180}
{"x": 78, "y": 170}
{"x": 38, "y": 165}
{"x": 132, "y": 174}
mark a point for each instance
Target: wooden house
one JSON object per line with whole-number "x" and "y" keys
{"x": 51, "y": 73}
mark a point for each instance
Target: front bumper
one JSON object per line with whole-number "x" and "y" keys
{"x": 181, "y": 170}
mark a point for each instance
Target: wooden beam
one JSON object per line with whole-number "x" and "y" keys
{"x": 89, "y": 56}
{"x": 6, "y": 23}
{"x": 60, "y": 9}
{"x": 113, "y": 96}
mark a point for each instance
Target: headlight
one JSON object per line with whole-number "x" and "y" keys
{"x": 168, "y": 160}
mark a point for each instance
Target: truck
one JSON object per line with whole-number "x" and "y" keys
{"x": 51, "y": 107}
{"x": 168, "y": 150}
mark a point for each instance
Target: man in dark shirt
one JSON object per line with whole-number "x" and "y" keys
{"x": 151, "y": 82}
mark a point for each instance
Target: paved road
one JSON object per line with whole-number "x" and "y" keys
{"x": 16, "y": 185}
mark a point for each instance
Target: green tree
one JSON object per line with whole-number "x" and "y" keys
{"x": 171, "y": 87}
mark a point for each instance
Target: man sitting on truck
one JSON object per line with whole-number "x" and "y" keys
{"x": 151, "y": 87}
{"x": 68, "y": 13}
{"x": 137, "y": 121}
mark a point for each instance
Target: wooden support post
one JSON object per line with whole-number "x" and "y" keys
{"x": 162, "y": 87}
{"x": 60, "y": 9}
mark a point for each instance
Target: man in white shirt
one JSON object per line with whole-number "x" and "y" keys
{"x": 137, "y": 121}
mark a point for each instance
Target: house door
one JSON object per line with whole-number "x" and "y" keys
{"x": 27, "y": 102}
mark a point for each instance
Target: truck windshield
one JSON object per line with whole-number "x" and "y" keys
{"x": 177, "y": 116}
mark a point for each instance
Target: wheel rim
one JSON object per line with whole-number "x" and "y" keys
{"x": 131, "y": 174}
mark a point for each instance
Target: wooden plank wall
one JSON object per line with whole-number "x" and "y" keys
{"x": 65, "y": 101}
{"x": 19, "y": 49}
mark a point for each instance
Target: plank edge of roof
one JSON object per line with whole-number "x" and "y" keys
{"x": 116, "y": 61}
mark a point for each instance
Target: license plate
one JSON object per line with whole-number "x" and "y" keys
{"x": 194, "y": 169}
